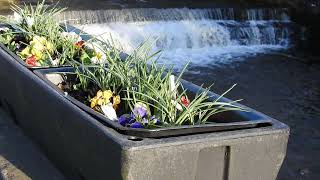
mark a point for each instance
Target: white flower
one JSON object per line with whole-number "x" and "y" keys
{"x": 29, "y": 21}
{"x": 100, "y": 56}
{"x": 172, "y": 86}
{"x": 95, "y": 60}
{"x": 17, "y": 18}
{"x": 4, "y": 29}
{"x": 177, "y": 105}
{"x": 72, "y": 36}
{"x": 109, "y": 112}
{"x": 55, "y": 62}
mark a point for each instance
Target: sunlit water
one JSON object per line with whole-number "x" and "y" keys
{"x": 194, "y": 36}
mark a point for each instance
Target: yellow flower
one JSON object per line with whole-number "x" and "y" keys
{"x": 99, "y": 94}
{"x": 49, "y": 46}
{"x": 107, "y": 94}
{"x": 37, "y": 53}
{"x": 38, "y": 43}
{"x": 102, "y": 98}
{"x": 26, "y": 52}
{"x": 93, "y": 102}
{"x": 41, "y": 44}
{"x": 116, "y": 100}
{"x": 100, "y": 102}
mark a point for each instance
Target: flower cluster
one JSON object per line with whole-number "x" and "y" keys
{"x": 106, "y": 102}
{"x": 139, "y": 118}
{"x": 40, "y": 40}
{"x": 38, "y": 50}
{"x": 28, "y": 20}
{"x": 105, "y": 97}
{"x": 151, "y": 95}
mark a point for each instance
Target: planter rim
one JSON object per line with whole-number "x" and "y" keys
{"x": 158, "y": 132}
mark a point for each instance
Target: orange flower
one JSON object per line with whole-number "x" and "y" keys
{"x": 79, "y": 44}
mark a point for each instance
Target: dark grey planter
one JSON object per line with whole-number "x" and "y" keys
{"x": 84, "y": 148}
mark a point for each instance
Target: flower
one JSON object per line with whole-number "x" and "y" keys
{"x": 29, "y": 21}
{"x": 32, "y": 61}
{"x": 109, "y": 112}
{"x": 177, "y": 105}
{"x": 41, "y": 44}
{"x": 79, "y": 44}
{"x": 136, "y": 125}
{"x": 55, "y": 62}
{"x": 184, "y": 101}
{"x": 93, "y": 102}
{"x": 71, "y": 36}
{"x": 25, "y": 52}
{"x": 99, "y": 55}
{"x": 102, "y": 98}
{"x": 107, "y": 94}
{"x": 17, "y": 17}
{"x": 123, "y": 120}
{"x": 4, "y": 29}
{"x": 99, "y": 58}
{"x": 145, "y": 121}
{"x": 116, "y": 101}
{"x": 172, "y": 86}
{"x": 140, "y": 110}
{"x": 155, "y": 120}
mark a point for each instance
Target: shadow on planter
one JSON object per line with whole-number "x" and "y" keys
{"x": 226, "y": 121}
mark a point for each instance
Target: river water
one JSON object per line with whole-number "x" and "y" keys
{"x": 200, "y": 36}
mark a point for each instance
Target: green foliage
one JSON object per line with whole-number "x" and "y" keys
{"x": 141, "y": 80}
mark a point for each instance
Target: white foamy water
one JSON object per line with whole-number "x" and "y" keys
{"x": 201, "y": 36}
{"x": 202, "y": 42}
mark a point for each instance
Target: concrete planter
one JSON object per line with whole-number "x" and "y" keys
{"x": 84, "y": 148}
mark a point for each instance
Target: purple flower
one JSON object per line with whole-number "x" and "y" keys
{"x": 155, "y": 120}
{"x": 145, "y": 121}
{"x": 123, "y": 120}
{"x": 18, "y": 46}
{"x": 131, "y": 119}
{"x": 136, "y": 125}
{"x": 140, "y": 112}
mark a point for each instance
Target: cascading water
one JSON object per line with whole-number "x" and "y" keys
{"x": 202, "y": 36}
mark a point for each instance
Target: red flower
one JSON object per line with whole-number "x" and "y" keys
{"x": 79, "y": 44}
{"x": 32, "y": 61}
{"x": 184, "y": 101}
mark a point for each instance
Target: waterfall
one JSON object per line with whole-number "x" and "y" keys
{"x": 202, "y": 36}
